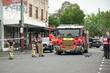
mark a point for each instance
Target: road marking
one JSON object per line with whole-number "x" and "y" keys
{"x": 102, "y": 62}
{"x": 100, "y": 68}
{"x": 101, "y": 65}
{"x": 103, "y": 58}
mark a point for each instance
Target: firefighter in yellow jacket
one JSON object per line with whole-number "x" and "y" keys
{"x": 33, "y": 49}
{"x": 11, "y": 50}
{"x": 40, "y": 46}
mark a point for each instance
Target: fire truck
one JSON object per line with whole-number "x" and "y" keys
{"x": 69, "y": 38}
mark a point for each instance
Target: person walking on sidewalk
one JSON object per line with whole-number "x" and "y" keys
{"x": 109, "y": 47}
{"x": 40, "y": 46}
{"x": 106, "y": 45}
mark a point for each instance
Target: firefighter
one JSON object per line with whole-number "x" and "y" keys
{"x": 33, "y": 49}
{"x": 40, "y": 46}
{"x": 11, "y": 50}
{"x": 106, "y": 45}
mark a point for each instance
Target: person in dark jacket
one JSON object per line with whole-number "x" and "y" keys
{"x": 106, "y": 45}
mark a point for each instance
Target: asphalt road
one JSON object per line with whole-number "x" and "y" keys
{"x": 52, "y": 63}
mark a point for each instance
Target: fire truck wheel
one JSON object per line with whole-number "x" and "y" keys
{"x": 82, "y": 51}
{"x": 58, "y": 52}
{"x": 51, "y": 51}
{"x": 86, "y": 51}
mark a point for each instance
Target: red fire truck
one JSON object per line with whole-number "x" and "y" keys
{"x": 69, "y": 38}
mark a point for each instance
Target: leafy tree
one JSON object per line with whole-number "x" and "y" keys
{"x": 91, "y": 24}
{"x": 53, "y": 20}
{"x": 98, "y": 24}
{"x": 105, "y": 20}
{"x": 68, "y": 14}
{"x": 71, "y": 14}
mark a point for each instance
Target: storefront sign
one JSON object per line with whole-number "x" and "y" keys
{"x": 15, "y": 5}
{"x": 7, "y": 2}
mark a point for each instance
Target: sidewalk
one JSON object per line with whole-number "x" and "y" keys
{"x": 3, "y": 54}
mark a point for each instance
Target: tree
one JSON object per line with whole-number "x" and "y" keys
{"x": 92, "y": 25}
{"x": 71, "y": 14}
{"x": 98, "y": 24}
{"x": 53, "y": 20}
{"x": 105, "y": 20}
{"x": 68, "y": 14}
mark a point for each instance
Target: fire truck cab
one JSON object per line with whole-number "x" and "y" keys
{"x": 70, "y": 38}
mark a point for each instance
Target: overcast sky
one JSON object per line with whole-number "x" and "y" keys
{"x": 89, "y": 6}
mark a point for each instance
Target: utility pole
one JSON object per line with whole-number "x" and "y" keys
{"x": 99, "y": 15}
{"x": 99, "y": 21}
{"x": 22, "y": 26}
{"x": 1, "y": 26}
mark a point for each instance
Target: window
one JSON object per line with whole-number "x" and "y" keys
{"x": 46, "y": 1}
{"x": 42, "y": 14}
{"x": 30, "y": 10}
{"x": 36, "y": 12}
{"x": 42, "y": 1}
{"x": 46, "y": 15}
{"x": 68, "y": 33}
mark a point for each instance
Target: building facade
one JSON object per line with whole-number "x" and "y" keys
{"x": 35, "y": 20}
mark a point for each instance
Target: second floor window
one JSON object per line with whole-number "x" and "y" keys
{"x": 46, "y": 15}
{"x": 42, "y": 14}
{"x": 36, "y": 12}
{"x": 30, "y": 10}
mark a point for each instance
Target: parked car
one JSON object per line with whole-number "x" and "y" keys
{"x": 46, "y": 44}
{"x": 93, "y": 42}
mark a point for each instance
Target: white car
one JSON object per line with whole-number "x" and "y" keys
{"x": 46, "y": 44}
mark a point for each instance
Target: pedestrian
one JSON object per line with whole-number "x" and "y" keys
{"x": 109, "y": 46}
{"x": 11, "y": 49}
{"x": 106, "y": 45}
{"x": 40, "y": 46}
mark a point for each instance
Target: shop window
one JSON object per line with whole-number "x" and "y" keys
{"x": 46, "y": 16}
{"x": 42, "y": 14}
{"x": 37, "y": 12}
{"x": 30, "y": 10}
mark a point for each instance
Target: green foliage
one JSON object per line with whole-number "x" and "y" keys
{"x": 54, "y": 20}
{"x": 71, "y": 14}
{"x": 98, "y": 24}
{"x": 68, "y": 14}
{"x": 105, "y": 20}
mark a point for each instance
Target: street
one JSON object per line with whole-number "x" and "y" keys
{"x": 60, "y": 27}
{"x": 52, "y": 63}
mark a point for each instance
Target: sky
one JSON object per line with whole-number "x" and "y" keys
{"x": 88, "y": 6}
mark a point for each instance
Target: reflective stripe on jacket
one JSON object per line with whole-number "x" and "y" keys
{"x": 105, "y": 41}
